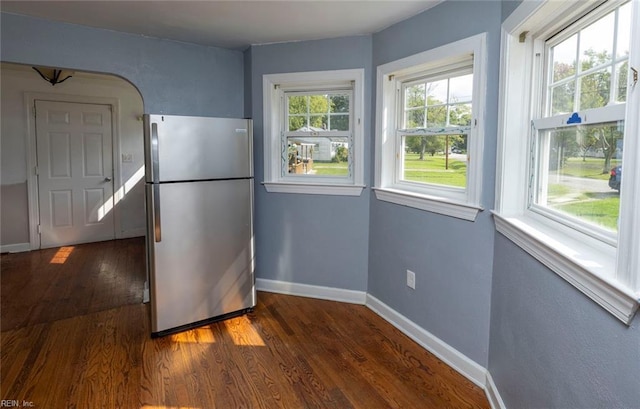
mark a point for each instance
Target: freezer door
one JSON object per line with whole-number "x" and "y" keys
{"x": 201, "y": 266}
{"x": 184, "y": 148}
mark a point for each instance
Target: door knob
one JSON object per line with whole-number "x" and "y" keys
{"x": 107, "y": 179}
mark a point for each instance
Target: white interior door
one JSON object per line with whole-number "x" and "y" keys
{"x": 75, "y": 173}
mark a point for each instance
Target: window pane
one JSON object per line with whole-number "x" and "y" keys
{"x": 580, "y": 172}
{"x": 438, "y": 159}
{"x": 339, "y": 122}
{"x": 622, "y": 71}
{"x": 340, "y": 103}
{"x": 300, "y": 154}
{"x": 297, "y": 104}
{"x": 414, "y": 119}
{"x": 297, "y": 123}
{"x": 414, "y": 96}
{"x": 318, "y": 156}
{"x": 564, "y": 58}
{"x": 460, "y": 115}
{"x": 437, "y": 92}
{"x": 594, "y": 89}
{"x": 562, "y": 98}
{"x": 596, "y": 42}
{"x": 461, "y": 89}
{"x": 624, "y": 30}
{"x": 318, "y": 104}
{"x": 437, "y": 116}
{"x": 318, "y": 122}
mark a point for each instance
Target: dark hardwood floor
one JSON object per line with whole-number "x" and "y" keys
{"x": 75, "y": 335}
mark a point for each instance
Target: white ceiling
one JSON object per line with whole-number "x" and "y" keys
{"x": 233, "y": 24}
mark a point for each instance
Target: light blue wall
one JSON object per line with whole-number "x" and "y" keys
{"x": 452, "y": 258}
{"x": 310, "y": 239}
{"x": 550, "y": 345}
{"x": 553, "y": 347}
{"x": 173, "y": 77}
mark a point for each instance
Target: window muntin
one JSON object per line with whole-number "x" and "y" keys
{"x": 318, "y": 112}
{"x": 318, "y": 134}
{"x": 573, "y": 163}
{"x": 435, "y": 120}
{"x": 396, "y": 180}
{"x": 587, "y": 64}
{"x": 293, "y": 156}
{"x": 605, "y": 272}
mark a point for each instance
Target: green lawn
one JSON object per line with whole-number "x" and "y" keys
{"x": 433, "y": 170}
{"x": 331, "y": 168}
{"x": 590, "y": 168}
{"x": 601, "y": 211}
{"x": 430, "y": 170}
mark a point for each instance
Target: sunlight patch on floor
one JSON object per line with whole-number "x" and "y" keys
{"x": 243, "y": 333}
{"x": 202, "y": 335}
{"x": 61, "y": 255}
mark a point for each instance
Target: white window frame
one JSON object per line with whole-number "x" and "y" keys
{"x": 274, "y": 87}
{"x": 455, "y": 202}
{"x": 608, "y": 274}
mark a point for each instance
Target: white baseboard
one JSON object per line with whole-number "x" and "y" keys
{"x": 452, "y": 357}
{"x": 311, "y": 291}
{"x": 449, "y": 355}
{"x": 491, "y": 390}
{"x": 15, "y": 248}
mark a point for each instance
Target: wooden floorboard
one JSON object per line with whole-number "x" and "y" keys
{"x": 290, "y": 352}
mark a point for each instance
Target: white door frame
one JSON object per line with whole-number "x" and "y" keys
{"x": 32, "y": 180}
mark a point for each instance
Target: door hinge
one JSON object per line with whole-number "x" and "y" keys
{"x": 35, "y": 171}
{"x": 39, "y": 229}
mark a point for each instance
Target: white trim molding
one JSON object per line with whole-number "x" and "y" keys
{"x": 314, "y": 189}
{"x": 603, "y": 265}
{"x": 15, "y": 248}
{"x": 575, "y": 266}
{"x": 32, "y": 179}
{"x": 449, "y": 59}
{"x": 273, "y": 88}
{"x": 491, "y": 390}
{"x": 449, "y": 355}
{"x": 438, "y": 205}
{"x": 311, "y": 291}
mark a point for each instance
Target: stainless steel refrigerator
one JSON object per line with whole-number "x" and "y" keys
{"x": 199, "y": 198}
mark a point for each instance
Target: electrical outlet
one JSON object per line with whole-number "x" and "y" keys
{"x": 411, "y": 279}
{"x": 127, "y": 157}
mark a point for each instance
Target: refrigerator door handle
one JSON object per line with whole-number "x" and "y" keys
{"x": 157, "y": 228}
{"x": 154, "y": 153}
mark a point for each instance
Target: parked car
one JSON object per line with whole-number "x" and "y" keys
{"x": 614, "y": 178}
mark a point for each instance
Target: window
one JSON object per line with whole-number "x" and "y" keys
{"x": 429, "y": 132}
{"x": 568, "y": 98}
{"x": 313, "y": 132}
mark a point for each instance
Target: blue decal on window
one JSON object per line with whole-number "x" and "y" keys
{"x": 574, "y": 119}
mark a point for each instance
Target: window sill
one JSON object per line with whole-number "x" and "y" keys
{"x": 429, "y": 203}
{"x": 313, "y": 189}
{"x": 585, "y": 267}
